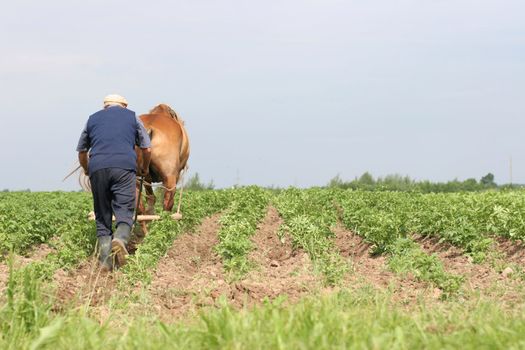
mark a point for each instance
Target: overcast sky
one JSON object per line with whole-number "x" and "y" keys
{"x": 288, "y": 92}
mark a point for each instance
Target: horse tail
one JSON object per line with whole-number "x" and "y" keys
{"x": 185, "y": 146}
{"x": 83, "y": 179}
{"x": 84, "y": 182}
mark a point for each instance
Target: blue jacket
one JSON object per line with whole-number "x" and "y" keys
{"x": 110, "y": 136}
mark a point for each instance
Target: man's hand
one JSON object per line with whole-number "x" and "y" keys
{"x": 83, "y": 160}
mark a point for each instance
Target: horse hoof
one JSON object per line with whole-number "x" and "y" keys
{"x": 176, "y": 216}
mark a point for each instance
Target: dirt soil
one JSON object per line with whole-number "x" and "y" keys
{"x": 373, "y": 271}
{"x": 191, "y": 275}
{"x": 514, "y": 251}
{"x": 38, "y": 252}
{"x": 4, "y": 276}
{"x": 85, "y": 285}
{"x": 280, "y": 270}
{"x": 480, "y": 279}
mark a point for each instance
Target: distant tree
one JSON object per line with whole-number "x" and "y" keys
{"x": 470, "y": 185}
{"x": 396, "y": 182}
{"x": 5, "y": 190}
{"x": 336, "y": 182}
{"x": 488, "y": 180}
{"x": 194, "y": 183}
{"x": 366, "y": 179}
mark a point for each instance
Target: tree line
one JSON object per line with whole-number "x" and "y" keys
{"x": 396, "y": 182}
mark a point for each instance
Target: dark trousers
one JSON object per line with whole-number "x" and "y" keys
{"x": 113, "y": 192}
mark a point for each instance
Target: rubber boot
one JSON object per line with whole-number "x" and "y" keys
{"x": 104, "y": 253}
{"x": 118, "y": 245}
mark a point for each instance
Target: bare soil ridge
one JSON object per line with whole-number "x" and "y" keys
{"x": 280, "y": 270}
{"x": 514, "y": 251}
{"x": 191, "y": 274}
{"x": 85, "y": 285}
{"x": 372, "y": 270}
{"x": 480, "y": 279}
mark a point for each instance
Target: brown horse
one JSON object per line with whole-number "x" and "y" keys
{"x": 170, "y": 150}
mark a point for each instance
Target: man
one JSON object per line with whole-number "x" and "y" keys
{"x": 110, "y": 136}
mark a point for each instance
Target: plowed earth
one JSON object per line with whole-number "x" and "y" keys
{"x": 514, "y": 251}
{"x": 85, "y": 285}
{"x": 369, "y": 270}
{"x": 480, "y": 279}
{"x": 191, "y": 276}
{"x": 280, "y": 270}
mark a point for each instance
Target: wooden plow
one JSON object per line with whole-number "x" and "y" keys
{"x": 141, "y": 218}
{"x": 140, "y": 229}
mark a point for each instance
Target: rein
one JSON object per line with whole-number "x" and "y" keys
{"x": 138, "y": 201}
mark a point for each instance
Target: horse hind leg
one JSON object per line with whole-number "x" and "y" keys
{"x": 169, "y": 194}
{"x": 150, "y": 196}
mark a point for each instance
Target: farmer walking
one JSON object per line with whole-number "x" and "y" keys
{"x": 110, "y": 136}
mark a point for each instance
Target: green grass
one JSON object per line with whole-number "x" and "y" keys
{"x": 361, "y": 318}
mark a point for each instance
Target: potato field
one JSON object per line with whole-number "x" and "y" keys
{"x": 252, "y": 268}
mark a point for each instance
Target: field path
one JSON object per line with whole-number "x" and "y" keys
{"x": 280, "y": 270}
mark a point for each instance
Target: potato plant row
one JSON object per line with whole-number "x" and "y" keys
{"x": 382, "y": 219}
{"x": 309, "y": 216}
{"x": 239, "y": 222}
{"x": 76, "y": 237}
{"x": 470, "y": 220}
{"x": 27, "y": 219}
{"x": 467, "y": 220}
{"x": 388, "y": 220}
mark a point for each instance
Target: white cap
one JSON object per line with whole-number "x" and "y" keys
{"x": 115, "y": 99}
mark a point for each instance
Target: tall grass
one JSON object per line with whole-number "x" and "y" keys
{"x": 361, "y": 318}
